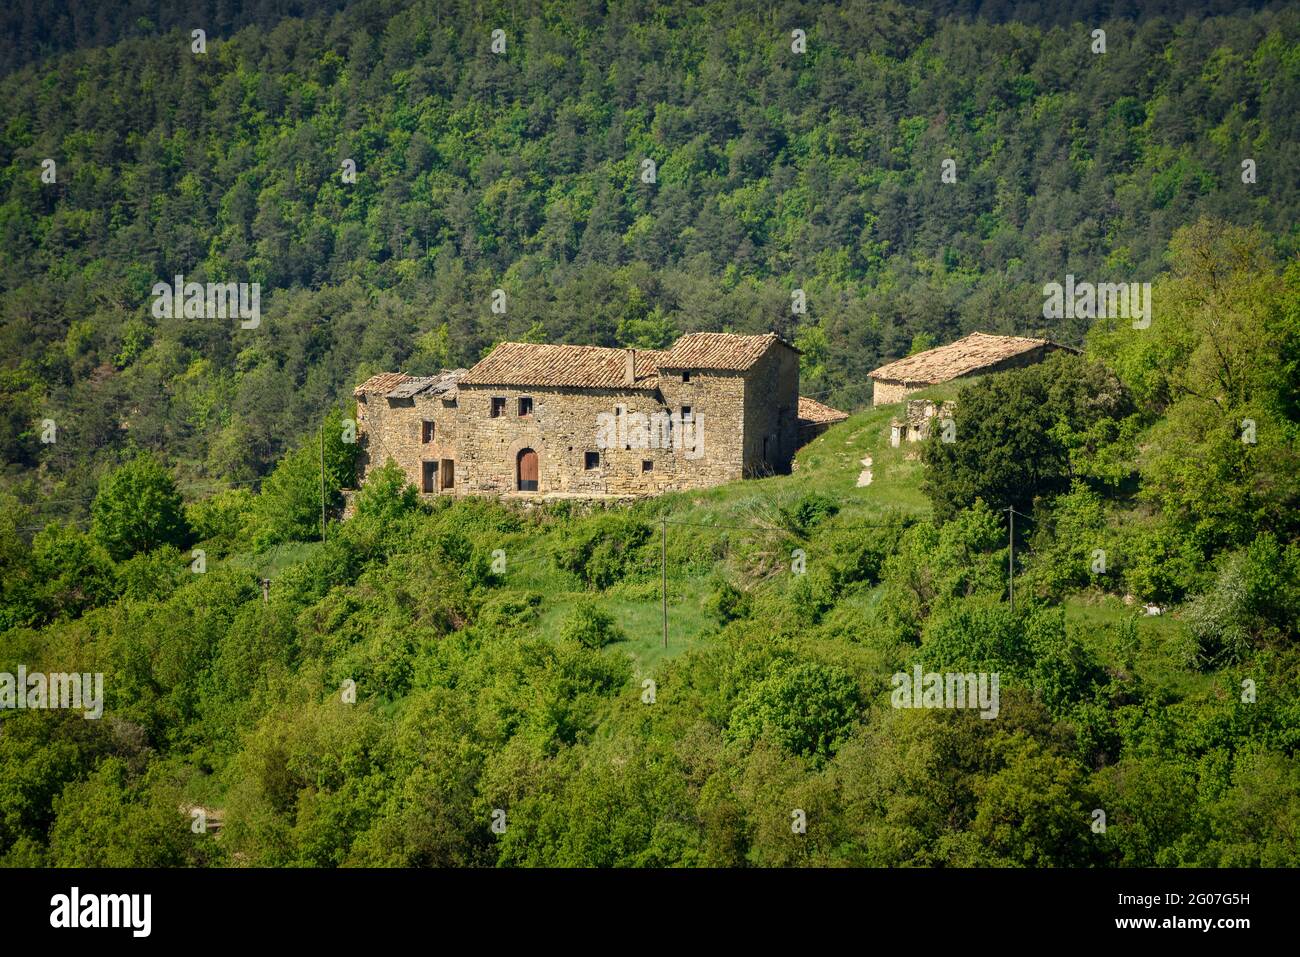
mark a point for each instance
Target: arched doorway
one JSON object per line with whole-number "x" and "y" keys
{"x": 526, "y": 470}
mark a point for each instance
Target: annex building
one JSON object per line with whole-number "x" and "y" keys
{"x": 976, "y": 354}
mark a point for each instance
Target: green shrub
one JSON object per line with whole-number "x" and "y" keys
{"x": 590, "y": 626}
{"x": 602, "y": 549}
{"x": 807, "y": 708}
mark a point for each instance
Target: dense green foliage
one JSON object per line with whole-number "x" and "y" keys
{"x": 522, "y": 171}
{"x": 425, "y": 666}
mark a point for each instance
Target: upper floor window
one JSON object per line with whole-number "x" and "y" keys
{"x": 525, "y": 406}
{"x": 591, "y": 460}
{"x": 498, "y": 406}
{"x": 686, "y": 375}
{"x": 426, "y": 431}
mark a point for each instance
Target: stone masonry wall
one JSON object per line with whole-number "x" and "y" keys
{"x": 772, "y": 412}
{"x": 563, "y": 427}
{"x": 393, "y": 429}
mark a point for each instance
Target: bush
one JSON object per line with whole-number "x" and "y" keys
{"x": 808, "y": 709}
{"x": 590, "y": 626}
{"x": 603, "y": 549}
{"x": 808, "y": 512}
{"x": 387, "y": 495}
{"x": 221, "y": 521}
{"x": 727, "y": 603}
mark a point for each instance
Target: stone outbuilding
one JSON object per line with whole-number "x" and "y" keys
{"x": 976, "y": 354}
{"x": 592, "y": 422}
{"x": 921, "y": 415}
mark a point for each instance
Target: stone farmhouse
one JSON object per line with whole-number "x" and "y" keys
{"x": 559, "y": 421}
{"x": 976, "y": 354}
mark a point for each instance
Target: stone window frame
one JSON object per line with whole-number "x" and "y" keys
{"x": 496, "y": 407}
{"x": 428, "y": 429}
{"x": 647, "y": 465}
{"x": 531, "y": 407}
{"x": 591, "y": 461}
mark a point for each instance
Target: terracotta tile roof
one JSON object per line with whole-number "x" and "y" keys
{"x": 963, "y": 357}
{"x": 527, "y": 363}
{"x": 718, "y": 350}
{"x": 380, "y": 384}
{"x": 813, "y": 412}
{"x": 438, "y": 384}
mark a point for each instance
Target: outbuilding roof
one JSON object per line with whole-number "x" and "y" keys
{"x": 434, "y": 384}
{"x": 812, "y": 412}
{"x": 963, "y": 357}
{"x": 380, "y": 384}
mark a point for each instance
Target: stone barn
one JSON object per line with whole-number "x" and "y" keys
{"x": 976, "y": 354}
{"x": 591, "y": 422}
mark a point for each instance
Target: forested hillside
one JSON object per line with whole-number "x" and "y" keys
{"x": 523, "y": 171}
{"x": 456, "y": 682}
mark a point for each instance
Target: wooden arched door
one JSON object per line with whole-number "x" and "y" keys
{"x": 526, "y": 471}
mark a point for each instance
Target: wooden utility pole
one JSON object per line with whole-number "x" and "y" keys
{"x": 663, "y": 551}
{"x": 1011, "y": 555}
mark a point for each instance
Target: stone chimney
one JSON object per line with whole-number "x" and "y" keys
{"x": 629, "y": 368}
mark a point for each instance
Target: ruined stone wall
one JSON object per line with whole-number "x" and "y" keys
{"x": 564, "y": 426}
{"x": 393, "y": 429}
{"x": 771, "y": 410}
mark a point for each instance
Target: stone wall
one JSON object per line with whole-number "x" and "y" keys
{"x": 919, "y": 420}
{"x": 393, "y": 429}
{"x": 719, "y": 396}
{"x": 771, "y": 433}
{"x": 565, "y": 425}
{"x": 887, "y": 391}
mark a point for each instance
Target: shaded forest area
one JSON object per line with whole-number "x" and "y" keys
{"x": 522, "y": 171}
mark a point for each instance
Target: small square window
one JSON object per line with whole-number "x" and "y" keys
{"x": 426, "y": 431}
{"x": 647, "y": 465}
{"x": 686, "y": 376}
{"x": 686, "y": 413}
{"x": 591, "y": 460}
{"x": 525, "y": 406}
{"x": 498, "y": 406}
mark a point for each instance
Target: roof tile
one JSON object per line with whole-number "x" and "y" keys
{"x": 963, "y": 357}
